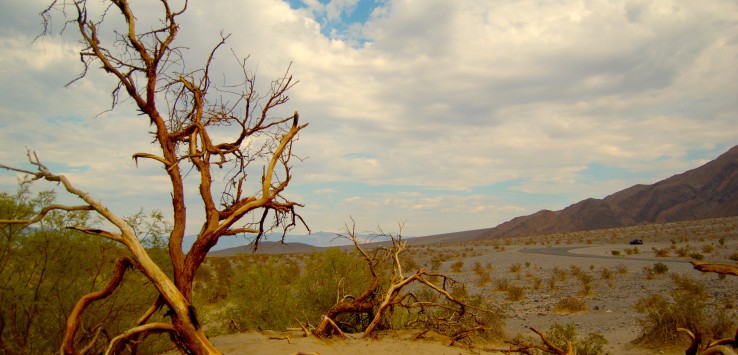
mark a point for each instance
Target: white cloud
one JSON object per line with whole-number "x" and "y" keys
{"x": 442, "y": 96}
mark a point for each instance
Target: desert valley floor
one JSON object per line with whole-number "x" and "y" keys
{"x": 544, "y": 271}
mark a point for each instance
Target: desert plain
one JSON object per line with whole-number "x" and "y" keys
{"x": 530, "y": 277}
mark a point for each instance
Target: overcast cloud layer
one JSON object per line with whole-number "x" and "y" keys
{"x": 448, "y": 115}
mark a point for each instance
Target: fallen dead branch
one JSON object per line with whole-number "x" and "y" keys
{"x": 521, "y": 347}
{"x": 725, "y": 346}
{"x": 725, "y": 269}
{"x": 377, "y": 306}
{"x": 284, "y": 337}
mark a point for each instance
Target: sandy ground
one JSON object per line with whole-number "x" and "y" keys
{"x": 610, "y": 303}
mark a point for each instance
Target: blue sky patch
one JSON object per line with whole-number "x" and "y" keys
{"x": 341, "y": 27}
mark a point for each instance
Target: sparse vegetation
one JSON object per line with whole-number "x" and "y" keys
{"x": 457, "y": 266}
{"x": 661, "y": 316}
{"x": 660, "y": 268}
{"x": 515, "y": 268}
{"x": 662, "y": 253}
{"x": 570, "y": 304}
{"x": 515, "y": 293}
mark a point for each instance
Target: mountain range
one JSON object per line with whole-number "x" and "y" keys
{"x": 709, "y": 191}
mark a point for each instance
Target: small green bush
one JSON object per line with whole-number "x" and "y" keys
{"x": 592, "y": 344}
{"x": 660, "y": 268}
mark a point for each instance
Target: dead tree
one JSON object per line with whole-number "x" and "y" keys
{"x": 725, "y": 346}
{"x": 184, "y": 107}
{"x": 378, "y": 304}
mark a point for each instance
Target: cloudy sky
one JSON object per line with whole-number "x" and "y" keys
{"x": 448, "y": 115}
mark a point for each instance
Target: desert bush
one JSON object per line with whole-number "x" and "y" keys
{"x": 586, "y": 284}
{"x": 662, "y": 316}
{"x": 696, "y": 256}
{"x": 483, "y": 279}
{"x": 707, "y": 249}
{"x": 502, "y": 284}
{"x": 515, "y": 293}
{"x": 606, "y": 273}
{"x": 560, "y": 274}
{"x": 515, "y": 267}
{"x": 734, "y": 256}
{"x": 457, "y": 266}
{"x": 408, "y": 263}
{"x": 660, "y": 252}
{"x": 615, "y": 253}
{"x": 592, "y": 344}
{"x": 660, "y": 268}
{"x": 478, "y": 268}
{"x": 690, "y": 286}
{"x": 537, "y": 281}
{"x": 570, "y": 304}
{"x": 552, "y": 282}
{"x": 271, "y": 293}
{"x": 44, "y": 271}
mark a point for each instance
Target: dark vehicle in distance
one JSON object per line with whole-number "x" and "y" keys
{"x": 636, "y": 242}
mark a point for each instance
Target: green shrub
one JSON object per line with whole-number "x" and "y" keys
{"x": 586, "y": 281}
{"x": 592, "y": 344}
{"x": 660, "y": 268}
{"x": 662, "y": 316}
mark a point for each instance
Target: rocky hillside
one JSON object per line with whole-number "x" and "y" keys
{"x": 708, "y": 191}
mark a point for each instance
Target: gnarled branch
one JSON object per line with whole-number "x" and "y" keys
{"x": 76, "y": 316}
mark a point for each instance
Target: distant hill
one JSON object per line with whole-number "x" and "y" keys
{"x": 268, "y": 248}
{"x": 709, "y": 191}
